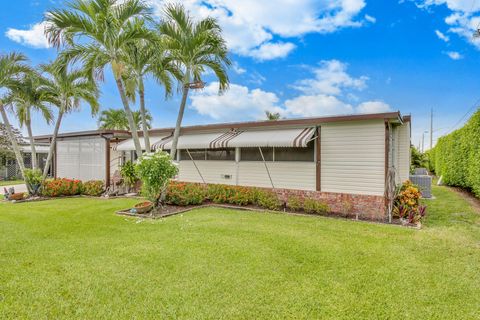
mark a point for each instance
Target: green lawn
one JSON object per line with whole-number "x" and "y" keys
{"x": 74, "y": 258}
{"x": 10, "y": 182}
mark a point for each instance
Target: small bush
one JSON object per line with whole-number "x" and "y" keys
{"x": 315, "y": 207}
{"x": 184, "y": 194}
{"x": 33, "y": 180}
{"x": 93, "y": 188}
{"x": 61, "y": 187}
{"x": 407, "y": 203}
{"x": 295, "y": 203}
{"x": 268, "y": 200}
{"x": 241, "y": 196}
{"x": 128, "y": 174}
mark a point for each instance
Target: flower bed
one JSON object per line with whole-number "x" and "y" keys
{"x": 407, "y": 204}
{"x": 70, "y": 187}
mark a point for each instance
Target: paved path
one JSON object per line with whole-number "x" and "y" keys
{"x": 18, "y": 188}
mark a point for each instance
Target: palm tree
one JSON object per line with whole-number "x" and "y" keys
{"x": 12, "y": 69}
{"x": 194, "y": 46}
{"x": 116, "y": 119}
{"x": 27, "y": 97}
{"x": 96, "y": 32}
{"x": 144, "y": 58}
{"x": 66, "y": 89}
{"x": 272, "y": 116}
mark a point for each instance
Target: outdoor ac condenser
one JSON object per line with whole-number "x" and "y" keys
{"x": 425, "y": 184}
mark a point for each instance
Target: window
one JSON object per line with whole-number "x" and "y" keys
{"x": 296, "y": 154}
{"x": 253, "y": 154}
{"x": 221, "y": 154}
{"x": 197, "y": 154}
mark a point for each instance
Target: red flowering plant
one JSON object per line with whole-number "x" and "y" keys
{"x": 184, "y": 194}
{"x": 407, "y": 205}
{"x": 61, "y": 187}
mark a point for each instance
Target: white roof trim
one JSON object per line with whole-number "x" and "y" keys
{"x": 128, "y": 144}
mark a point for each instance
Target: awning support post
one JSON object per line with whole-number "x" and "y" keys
{"x": 198, "y": 170}
{"x": 266, "y": 167}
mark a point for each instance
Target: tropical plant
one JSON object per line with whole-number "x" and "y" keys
{"x": 272, "y": 116}
{"x": 142, "y": 59}
{"x": 155, "y": 171}
{"x": 97, "y": 33}
{"x": 116, "y": 119}
{"x": 12, "y": 68}
{"x": 407, "y": 203}
{"x": 185, "y": 194}
{"x": 93, "y": 188}
{"x": 418, "y": 159}
{"x": 33, "y": 180}
{"x": 6, "y": 150}
{"x": 61, "y": 187}
{"x": 66, "y": 88}
{"x": 30, "y": 96}
{"x": 129, "y": 174}
{"x": 195, "y": 47}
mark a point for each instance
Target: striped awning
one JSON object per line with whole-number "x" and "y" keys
{"x": 259, "y": 138}
{"x": 272, "y": 138}
{"x": 128, "y": 144}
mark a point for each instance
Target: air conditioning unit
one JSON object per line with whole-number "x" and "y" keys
{"x": 425, "y": 184}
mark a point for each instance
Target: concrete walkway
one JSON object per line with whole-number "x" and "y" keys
{"x": 18, "y": 188}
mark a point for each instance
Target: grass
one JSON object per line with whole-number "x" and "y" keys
{"x": 73, "y": 258}
{"x": 4, "y": 183}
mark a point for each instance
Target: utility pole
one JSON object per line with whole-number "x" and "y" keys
{"x": 431, "y": 129}
{"x": 423, "y": 141}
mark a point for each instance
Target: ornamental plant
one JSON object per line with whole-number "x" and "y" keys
{"x": 184, "y": 194}
{"x": 407, "y": 205}
{"x": 33, "y": 180}
{"x": 155, "y": 171}
{"x": 61, "y": 187}
{"x": 242, "y": 196}
{"x": 129, "y": 174}
{"x": 93, "y": 188}
{"x": 315, "y": 207}
{"x": 295, "y": 203}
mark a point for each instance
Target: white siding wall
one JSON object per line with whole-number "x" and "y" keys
{"x": 290, "y": 175}
{"x": 353, "y": 157}
{"x": 81, "y": 158}
{"x": 403, "y": 152}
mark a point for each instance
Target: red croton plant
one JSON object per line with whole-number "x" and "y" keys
{"x": 407, "y": 203}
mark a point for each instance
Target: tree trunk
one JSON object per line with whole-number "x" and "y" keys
{"x": 131, "y": 122}
{"x": 52, "y": 145}
{"x": 143, "y": 112}
{"x": 28, "y": 124}
{"x": 13, "y": 141}
{"x": 176, "y": 133}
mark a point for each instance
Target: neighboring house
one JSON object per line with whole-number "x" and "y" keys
{"x": 9, "y": 168}
{"x": 349, "y": 161}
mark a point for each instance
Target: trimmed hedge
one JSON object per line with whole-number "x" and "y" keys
{"x": 456, "y": 156}
{"x": 70, "y": 187}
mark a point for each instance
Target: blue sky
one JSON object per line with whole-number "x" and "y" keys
{"x": 307, "y": 58}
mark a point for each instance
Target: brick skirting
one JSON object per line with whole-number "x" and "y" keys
{"x": 365, "y": 206}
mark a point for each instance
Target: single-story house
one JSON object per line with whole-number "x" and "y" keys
{"x": 349, "y": 161}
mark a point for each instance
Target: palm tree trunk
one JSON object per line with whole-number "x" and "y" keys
{"x": 128, "y": 111}
{"x": 28, "y": 124}
{"x": 146, "y": 137}
{"x": 176, "y": 133}
{"x": 13, "y": 141}
{"x": 52, "y": 145}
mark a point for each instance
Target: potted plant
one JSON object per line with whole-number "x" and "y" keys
{"x": 143, "y": 207}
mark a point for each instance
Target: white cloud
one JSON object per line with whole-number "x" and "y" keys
{"x": 316, "y": 105}
{"x": 237, "y": 68}
{"x": 330, "y": 77}
{"x": 370, "y": 19}
{"x": 454, "y": 55}
{"x": 373, "y": 107}
{"x": 442, "y": 36}
{"x": 238, "y": 103}
{"x": 33, "y": 37}
{"x": 270, "y": 51}
{"x": 250, "y": 25}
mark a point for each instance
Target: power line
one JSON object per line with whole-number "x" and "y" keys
{"x": 475, "y": 105}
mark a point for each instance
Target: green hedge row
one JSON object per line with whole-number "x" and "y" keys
{"x": 456, "y": 156}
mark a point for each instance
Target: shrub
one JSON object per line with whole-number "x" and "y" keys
{"x": 219, "y": 193}
{"x": 407, "y": 203}
{"x": 456, "y": 156}
{"x": 61, "y": 187}
{"x": 33, "y": 180}
{"x": 184, "y": 194}
{"x": 295, "y": 203}
{"x": 315, "y": 207}
{"x": 128, "y": 174}
{"x": 93, "y": 188}
{"x": 268, "y": 200}
{"x": 155, "y": 171}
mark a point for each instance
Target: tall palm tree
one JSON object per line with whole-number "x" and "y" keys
{"x": 116, "y": 119}
{"x": 143, "y": 59}
{"x": 28, "y": 97}
{"x": 96, "y": 33}
{"x": 12, "y": 69}
{"x": 272, "y": 116}
{"x": 66, "y": 89}
{"x": 194, "y": 46}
